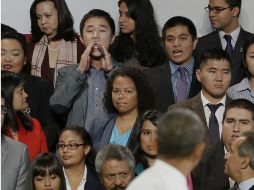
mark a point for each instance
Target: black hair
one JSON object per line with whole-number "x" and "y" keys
{"x": 9, "y": 82}
{"x": 87, "y": 140}
{"x": 16, "y": 36}
{"x": 145, "y": 93}
{"x": 43, "y": 164}
{"x": 246, "y": 46}
{"x": 153, "y": 116}
{"x": 97, "y": 13}
{"x": 214, "y": 54}
{"x": 235, "y": 3}
{"x": 240, "y": 104}
{"x": 147, "y": 47}
{"x": 65, "y": 21}
{"x": 180, "y": 21}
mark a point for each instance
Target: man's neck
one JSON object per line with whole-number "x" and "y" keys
{"x": 232, "y": 27}
{"x": 211, "y": 99}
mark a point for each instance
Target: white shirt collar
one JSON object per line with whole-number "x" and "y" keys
{"x": 81, "y": 184}
{"x": 233, "y": 34}
{"x": 246, "y": 184}
{"x": 205, "y": 101}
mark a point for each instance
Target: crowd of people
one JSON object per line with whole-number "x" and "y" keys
{"x": 107, "y": 111}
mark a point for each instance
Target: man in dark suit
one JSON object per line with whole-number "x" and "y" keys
{"x": 237, "y": 119}
{"x": 176, "y": 80}
{"x": 214, "y": 74}
{"x": 224, "y": 17}
{"x": 239, "y": 161}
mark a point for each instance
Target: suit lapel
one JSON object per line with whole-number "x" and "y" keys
{"x": 4, "y": 151}
{"x": 198, "y": 107}
{"x": 166, "y": 78}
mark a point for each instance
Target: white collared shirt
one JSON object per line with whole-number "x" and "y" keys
{"x": 219, "y": 112}
{"x": 160, "y": 176}
{"x": 81, "y": 184}
{"x": 246, "y": 184}
{"x": 234, "y": 36}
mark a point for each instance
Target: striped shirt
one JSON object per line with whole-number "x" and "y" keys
{"x": 241, "y": 90}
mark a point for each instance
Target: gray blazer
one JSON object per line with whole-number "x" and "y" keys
{"x": 71, "y": 94}
{"x": 14, "y": 164}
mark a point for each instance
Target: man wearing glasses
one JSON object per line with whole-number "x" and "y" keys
{"x": 228, "y": 34}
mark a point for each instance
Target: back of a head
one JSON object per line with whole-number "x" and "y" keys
{"x": 246, "y": 148}
{"x": 213, "y": 54}
{"x": 179, "y": 132}
{"x": 6, "y": 28}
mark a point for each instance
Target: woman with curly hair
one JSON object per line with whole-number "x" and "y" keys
{"x": 128, "y": 95}
{"x": 138, "y": 42}
{"x": 54, "y": 41}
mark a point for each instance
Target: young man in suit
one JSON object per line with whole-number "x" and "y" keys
{"x": 228, "y": 34}
{"x": 237, "y": 119}
{"x": 14, "y": 160}
{"x": 175, "y": 80}
{"x": 214, "y": 74}
{"x": 80, "y": 88}
{"x": 240, "y": 161}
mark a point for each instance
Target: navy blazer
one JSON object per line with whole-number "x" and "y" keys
{"x": 92, "y": 181}
{"x": 160, "y": 78}
{"x": 209, "y": 174}
{"x": 212, "y": 40}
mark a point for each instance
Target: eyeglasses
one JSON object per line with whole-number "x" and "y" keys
{"x": 3, "y": 110}
{"x": 72, "y": 146}
{"x": 216, "y": 10}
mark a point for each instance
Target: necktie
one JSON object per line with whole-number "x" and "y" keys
{"x": 229, "y": 47}
{"x": 213, "y": 124}
{"x": 181, "y": 85}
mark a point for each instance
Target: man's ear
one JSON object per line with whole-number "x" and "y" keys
{"x": 198, "y": 75}
{"x": 195, "y": 43}
{"x": 236, "y": 11}
{"x": 245, "y": 162}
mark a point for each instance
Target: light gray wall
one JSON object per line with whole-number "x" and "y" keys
{"x": 16, "y": 12}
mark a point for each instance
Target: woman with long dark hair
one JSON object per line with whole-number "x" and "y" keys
{"x": 138, "y": 43}
{"x": 17, "y": 125}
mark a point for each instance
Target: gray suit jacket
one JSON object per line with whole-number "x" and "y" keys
{"x": 14, "y": 164}
{"x": 71, "y": 95}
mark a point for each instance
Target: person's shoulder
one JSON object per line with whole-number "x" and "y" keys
{"x": 208, "y": 36}
{"x": 12, "y": 144}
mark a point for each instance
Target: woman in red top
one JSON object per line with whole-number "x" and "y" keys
{"x": 16, "y": 124}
